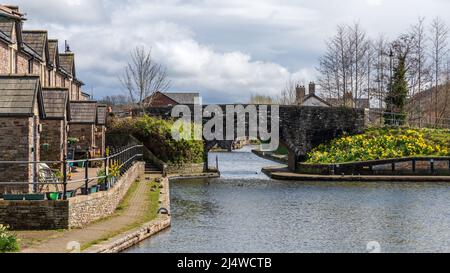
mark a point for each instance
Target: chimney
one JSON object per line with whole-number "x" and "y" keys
{"x": 67, "y": 48}
{"x": 312, "y": 88}
{"x": 300, "y": 92}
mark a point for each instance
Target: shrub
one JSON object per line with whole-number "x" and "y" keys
{"x": 8, "y": 241}
{"x": 156, "y": 134}
{"x": 383, "y": 143}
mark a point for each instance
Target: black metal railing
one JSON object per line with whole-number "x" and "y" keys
{"x": 115, "y": 163}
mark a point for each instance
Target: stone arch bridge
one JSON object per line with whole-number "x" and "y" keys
{"x": 301, "y": 128}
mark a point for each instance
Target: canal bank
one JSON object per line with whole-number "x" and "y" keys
{"x": 246, "y": 211}
{"x": 127, "y": 239}
{"x": 282, "y": 173}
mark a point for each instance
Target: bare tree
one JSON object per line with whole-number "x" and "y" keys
{"x": 419, "y": 73}
{"x": 345, "y": 68}
{"x": 439, "y": 51}
{"x": 335, "y": 66}
{"x": 116, "y": 100}
{"x": 288, "y": 95}
{"x": 143, "y": 76}
{"x": 261, "y": 99}
{"x": 359, "y": 49}
{"x": 381, "y": 66}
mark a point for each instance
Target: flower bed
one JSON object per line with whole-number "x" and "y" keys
{"x": 384, "y": 143}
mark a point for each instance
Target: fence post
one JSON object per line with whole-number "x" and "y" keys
{"x": 414, "y": 166}
{"x": 65, "y": 177}
{"x": 86, "y": 174}
{"x": 106, "y": 169}
{"x": 432, "y": 165}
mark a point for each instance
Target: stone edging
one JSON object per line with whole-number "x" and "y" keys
{"x": 277, "y": 174}
{"x": 133, "y": 237}
{"x": 270, "y": 156}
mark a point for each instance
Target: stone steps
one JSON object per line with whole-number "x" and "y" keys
{"x": 150, "y": 168}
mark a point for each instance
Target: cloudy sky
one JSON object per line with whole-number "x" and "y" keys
{"x": 224, "y": 49}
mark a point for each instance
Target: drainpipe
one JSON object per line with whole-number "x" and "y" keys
{"x": 34, "y": 154}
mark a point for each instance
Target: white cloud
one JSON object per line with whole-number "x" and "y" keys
{"x": 224, "y": 49}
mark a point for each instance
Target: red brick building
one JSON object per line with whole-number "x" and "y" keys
{"x": 160, "y": 99}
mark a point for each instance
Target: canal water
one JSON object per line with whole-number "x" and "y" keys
{"x": 244, "y": 211}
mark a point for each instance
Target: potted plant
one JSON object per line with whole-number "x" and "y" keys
{"x": 35, "y": 197}
{"x": 53, "y": 196}
{"x": 102, "y": 181}
{"x": 13, "y": 197}
{"x": 72, "y": 141}
{"x": 94, "y": 189}
{"x": 114, "y": 172}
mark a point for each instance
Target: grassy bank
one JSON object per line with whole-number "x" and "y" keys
{"x": 383, "y": 143}
{"x": 156, "y": 135}
{"x": 152, "y": 200}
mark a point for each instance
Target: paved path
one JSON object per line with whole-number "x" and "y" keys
{"x": 56, "y": 242}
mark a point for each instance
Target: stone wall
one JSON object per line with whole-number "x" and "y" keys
{"x": 76, "y": 212}
{"x": 15, "y": 145}
{"x": 35, "y": 215}
{"x": 84, "y": 133}
{"x": 53, "y": 135}
{"x": 22, "y": 64}
{"x": 185, "y": 169}
{"x": 87, "y": 209}
{"x": 303, "y": 128}
{"x": 4, "y": 59}
{"x": 36, "y": 68}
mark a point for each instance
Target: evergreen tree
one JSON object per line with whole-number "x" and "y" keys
{"x": 397, "y": 96}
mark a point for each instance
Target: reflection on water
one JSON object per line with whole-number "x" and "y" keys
{"x": 246, "y": 212}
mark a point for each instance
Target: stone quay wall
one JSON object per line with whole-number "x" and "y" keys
{"x": 185, "y": 169}
{"x": 86, "y": 209}
{"x": 133, "y": 237}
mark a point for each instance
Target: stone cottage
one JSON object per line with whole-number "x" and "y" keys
{"x": 21, "y": 111}
{"x": 311, "y": 99}
{"x": 82, "y": 125}
{"x": 54, "y": 126}
{"x": 30, "y": 55}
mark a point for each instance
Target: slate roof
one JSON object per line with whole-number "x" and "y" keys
{"x": 36, "y": 40}
{"x": 18, "y": 95}
{"x": 314, "y": 96}
{"x": 83, "y": 112}
{"x": 66, "y": 62}
{"x": 52, "y": 50}
{"x": 183, "y": 98}
{"x": 7, "y": 28}
{"x": 55, "y": 102}
{"x": 101, "y": 114}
